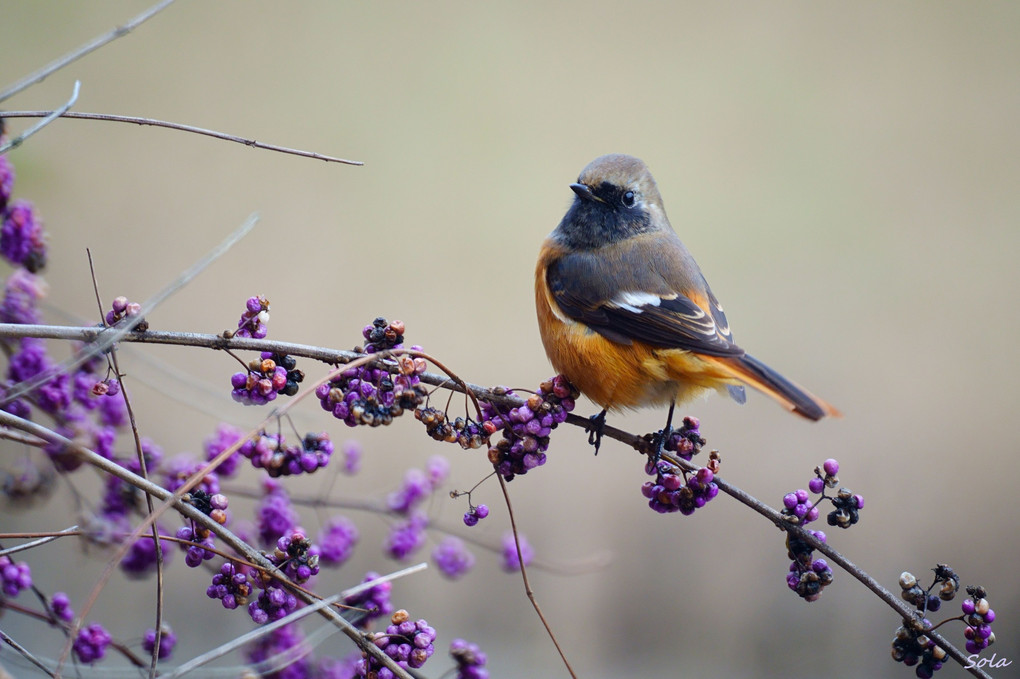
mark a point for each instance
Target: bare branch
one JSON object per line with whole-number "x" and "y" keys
{"x": 183, "y": 128}
{"x": 88, "y": 47}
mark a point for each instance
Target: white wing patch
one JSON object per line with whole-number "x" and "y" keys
{"x": 633, "y": 301}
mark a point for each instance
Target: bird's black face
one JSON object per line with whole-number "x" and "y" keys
{"x": 603, "y": 214}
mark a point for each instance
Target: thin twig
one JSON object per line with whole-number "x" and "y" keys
{"x": 136, "y": 120}
{"x": 527, "y": 585}
{"x": 25, "y": 653}
{"x": 114, "y": 364}
{"x": 50, "y": 537}
{"x": 90, "y": 46}
{"x": 53, "y": 115}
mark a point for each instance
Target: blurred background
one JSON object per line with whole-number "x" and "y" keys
{"x": 846, "y": 176}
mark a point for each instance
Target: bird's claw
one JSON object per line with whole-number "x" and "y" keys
{"x": 596, "y": 427}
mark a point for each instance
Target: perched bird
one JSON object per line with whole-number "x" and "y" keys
{"x": 626, "y": 314}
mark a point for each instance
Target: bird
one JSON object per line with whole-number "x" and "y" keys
{"x": 625, "y": 313}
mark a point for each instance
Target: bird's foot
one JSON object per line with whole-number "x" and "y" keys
{"x": 659, "y": 441}
{"x": 596, "y": 427}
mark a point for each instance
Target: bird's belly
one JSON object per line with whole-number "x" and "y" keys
{"x": 618, "y": 376}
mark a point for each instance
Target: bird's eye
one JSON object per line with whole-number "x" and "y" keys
{"x": 628, "y": 199}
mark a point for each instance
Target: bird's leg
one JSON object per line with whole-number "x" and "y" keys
{"x": 659, "y": 441}
{"x": 595, "y": 428}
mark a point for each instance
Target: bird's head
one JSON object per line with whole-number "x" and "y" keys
{"x": 616, "y": 198}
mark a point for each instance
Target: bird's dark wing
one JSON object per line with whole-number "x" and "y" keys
{"x": 639, "y": 307}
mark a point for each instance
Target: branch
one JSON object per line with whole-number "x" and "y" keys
{"x": 49, "y": 118}
{"x": 91, "y": 46}
{"x": 178, "y": 126}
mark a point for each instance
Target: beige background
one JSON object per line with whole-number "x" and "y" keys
{"x": 845, "y": 174}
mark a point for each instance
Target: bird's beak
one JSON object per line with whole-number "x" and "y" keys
{"x": 584, "y": 192}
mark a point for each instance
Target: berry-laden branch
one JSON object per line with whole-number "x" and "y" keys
{"x": 378, "y": 389}
{"x": 371, "y": 385}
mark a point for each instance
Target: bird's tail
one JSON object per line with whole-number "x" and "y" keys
{"x": 754, "y": 373}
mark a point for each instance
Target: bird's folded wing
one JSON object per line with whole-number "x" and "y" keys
{"x": 640, "y": 307}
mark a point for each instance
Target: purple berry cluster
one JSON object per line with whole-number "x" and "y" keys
{"x": 266, "y": 377}
{"x": 270, "y": 452}
{"x": 807, "y": 575}
{"x": 273, "y": 603}
{"x": 800, "y": 511}
{"x": 199, "y": 552}
{"x": 370, "y": 394}
{"x": 231, "y": 586}
{"x": 336, "y": 541}
{"x": 374, "y": 601}
{"x": 225, "y": 436}
{"x": 91, "y": 643}
{"x": 674, "y": 490}
{"x": 287, "y": 642}
{"x": 475, "y": 514}
{"x": 526, "y": 428}
{"x": 979, "y": 618}
{"x": 122, "y": 309}
{"x": 296, "y": 556}
{"x": 14, "y": 576}
{"x": 511, "y": 559}
{"x": 452, "y": 557}
{"x": 254, "y": 320}
{"x": 685, "y": 442}
{"x": 409, "y": 643}
{"x": 470, "y": 660}
{"x": 22, "y": 292}
{"x": 60, "y": 605}
{"x": 22, "y": 239}
{"x": 167, "y": 641}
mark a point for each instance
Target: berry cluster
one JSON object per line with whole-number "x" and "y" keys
{"x": 947, "y": 581}
{"x": 167, "y": 641}
{"x": 266, "y": 376}
{"x": 123, "y": 309}
{"x": 685, "y": 442}
{"x": 511, "y": 559}
{"x": 800, "y": 511}
{"x": 270, "y": 452}
{"x": 807, "y": 576}
{"x": 464, "y": 431}
{"x": 370, "y": 394}
{"x": 230, "y": 585}
{"x": 526, "y": 428}
{"x": 22, "y": 239}
{"x": 675, "y": 491}
{"x": 201, "y": 550}
{"x": 91, "y": 643}
{"x": 470, "y": 660}
{"x": 452, "y": 557}
{"x": 374, "y": 601}
{"x": 475, "y": 514}
{"x": 296, "y": 556}
{"x": 60, "y": 605}
{"x": 14, "y": 576}
{"x": 254, "y": 320}
{"x": 408, "y": 642}
{"x": 273, "y": 603}
{"x": 979, "y": 618}
{"x": 336, "y": 541}
{"x": 912, "y": 646}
